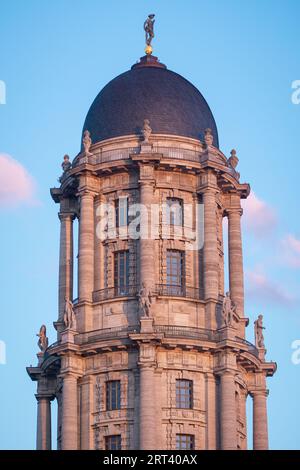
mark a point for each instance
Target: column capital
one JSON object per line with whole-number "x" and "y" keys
{"x": 259, "y": 393}
{"x": 44, "y": 396}
{"x": 234, "y": 210}
{"x": 66, "y": 215}
{"x": 86, "y": 192}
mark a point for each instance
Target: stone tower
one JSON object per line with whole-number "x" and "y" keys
{"x": 151, "y": 354}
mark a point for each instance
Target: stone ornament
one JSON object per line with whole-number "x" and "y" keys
{"x": 69, "y": 315}
{"x": 233, "y": 163}
{"x": 146, "y": 131}
{"x": 43, "y": 340}
{"x": 87, "y": 142}
{"x": 258, "y": 331}
{"x": 145, "y": 301}
{"x": 66, "y": 164}
{"x": 228, "y": 311}
{"x": 208, "y": 137}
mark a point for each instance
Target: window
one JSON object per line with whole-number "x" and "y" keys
{"x": 113, "y": 395}
{"x": 185, "y": 441}
{"x": 113, "y": 442}
{"x": 121, "y": 207}
{"x": 121, "y": 272}
{"x": 174, "y": 211}
{"x": 184, "y": 394}
{"x": 175, "y": 272}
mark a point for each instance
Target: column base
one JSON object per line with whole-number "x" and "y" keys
{"x": 67, "y": 336}
{"x": 227, "y": 332}
{"x": 146, "y": 325}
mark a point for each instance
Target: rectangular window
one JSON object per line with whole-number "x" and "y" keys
{"x": 174, "y": 211}
{"x": 121, "y": 272}
{"x": 113, "y": 395}
{"x": 175, "y": 272}
{"x": 121, "y": 207}
{"x": 185, "y": 442}
{"x": 184, "y": 394}
{"x": 113, "y": 442}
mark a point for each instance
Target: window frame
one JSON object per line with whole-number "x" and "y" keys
{"x": 175, "y": 271}
{"x": 182, "y": 441}
{"x": 170, "y": 213}
{"x": 113, "y": 397}
{"x": 121, "y": 273}
{"x": 108, "y": 442}
{"x": 184, "y": 394}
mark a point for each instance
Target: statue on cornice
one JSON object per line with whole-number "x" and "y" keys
{"x": 228, "y": 310}
{"x": 146, "y": 131}
{"x": 43, "y": 340}
{"x": 233, "y": 163}
{"x": 149, "y": 29}
{"x": 258, "y": 331}
{"x": 145, "y": 300}
{"x": 66, "y": 164}
{"x": 87, "y": 142}
{"x": 69, "y": 315}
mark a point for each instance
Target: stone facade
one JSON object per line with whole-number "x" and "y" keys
{"x": 184, "y": 337}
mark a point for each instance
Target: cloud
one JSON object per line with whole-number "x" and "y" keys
{"x": 259, "y": 217}
{"x": 16, "y": 184}
{"x": 291, "y": 251}
{"x": 260, "y": 288}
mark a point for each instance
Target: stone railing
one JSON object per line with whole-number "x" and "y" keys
{"x": 253, "y": 349}
{"x": 106, "y": 333}
{"x": 186, "y": 332}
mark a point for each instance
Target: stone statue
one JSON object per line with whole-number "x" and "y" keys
{"x": 87, "y": 142}
{"x": 228, "y": 310}
{"x": 43, "y": 340}
{"x": 66, "y": 164}
{"x": 258, "y": 331}
{"x": 149, "y": 29}
{"x": 69, "y": 315}
{"x": 147, "y": 131}
{"x": 233, "y": 162}
{"x": 208, "y": 137}
{"x": 145, "y": 301}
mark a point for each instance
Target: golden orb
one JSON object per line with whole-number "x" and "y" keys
{"x": 148, "y": 50}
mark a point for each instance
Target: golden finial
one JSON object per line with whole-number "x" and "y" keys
{"x": 149, "y": 30}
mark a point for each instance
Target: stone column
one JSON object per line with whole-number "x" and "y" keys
{"x": 211, "y": 420}
{"x": 43, "y": 438}
{"x": 235, "y": 255}
{"x": 86, "y": 246}
{"x": 211, "y": 253}
{"x": 65, "y": 288}
{"x": 260, "y": 420}
{"x": 147, "y": 410}
{"x": 147, "y": 244}
{"x": 228, "y": 422}
{"x": 69, "y": 413}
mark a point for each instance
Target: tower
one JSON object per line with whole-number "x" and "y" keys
{"x": 152, "y": 353}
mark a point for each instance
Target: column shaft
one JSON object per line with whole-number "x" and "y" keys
{"x": 147, "y": 409}
{"x": 65, "y": 288}
{"x": 43, "y": 438}
{"x": 260, "y": 421}
{"x": 228, "y": 412}
{"x": 147, "y": 251}
{"x": 211, "y": 254}
{"x": 211, "y": 421}
{"x": 69, "y": 413}
{"x": 235, "y": 254}
{"x": 86, "y": 247}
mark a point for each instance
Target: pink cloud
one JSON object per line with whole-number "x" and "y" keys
{"x": 259, "y": 217}
{"x": 260, "y": 288}
{"x": 16, "y": 184}
{"x": 291, "y": 251}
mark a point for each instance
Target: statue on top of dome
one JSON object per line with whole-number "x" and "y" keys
{"x": 149, "y": 30}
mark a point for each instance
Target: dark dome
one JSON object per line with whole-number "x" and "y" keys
{"x": 149, "y": 91}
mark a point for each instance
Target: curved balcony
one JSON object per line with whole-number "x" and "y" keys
{"x": 114, "y": 293}
{"x": 167, "y": 290}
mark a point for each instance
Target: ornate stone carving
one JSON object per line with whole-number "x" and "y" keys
{"x": 146, "y": 131}
{"x": 87, "y": 142}
{"x": 208, "y": 137}
{"x": 228, "y": 310}
{"x": 233, "y": 163}
{"x": 43, "y": 340}
{"x": 145, "y": 301}
{"x": 66, "y": 164}
{"x": 69, "y": 315}
{"x": 258, "y": 331}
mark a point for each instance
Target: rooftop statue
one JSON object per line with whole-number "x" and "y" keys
{"x": 43, "y": 340}
{"x": 149, "y": 30}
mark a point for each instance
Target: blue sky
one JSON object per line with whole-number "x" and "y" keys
{"x": 55, "y": 57}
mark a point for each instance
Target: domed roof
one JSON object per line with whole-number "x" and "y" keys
{"x": 149, "y": 91}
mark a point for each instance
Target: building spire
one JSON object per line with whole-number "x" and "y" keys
{"x": 149, "y": 30}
